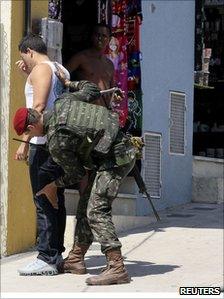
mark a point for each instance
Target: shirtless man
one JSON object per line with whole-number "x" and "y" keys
{"x": 92, "y": 64}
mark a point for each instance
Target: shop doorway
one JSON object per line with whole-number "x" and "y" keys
{"x": 124, "y": 17}
{"x": 78, "y": 18}
{"x": 208, "y": 137}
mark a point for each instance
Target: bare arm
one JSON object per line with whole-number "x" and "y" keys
{"x": 22, "y": 151}
{"x": 75, "y": 62}
{"x": 40, "y": 79}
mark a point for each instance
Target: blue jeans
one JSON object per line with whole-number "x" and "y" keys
{"x": 50, "y": 222}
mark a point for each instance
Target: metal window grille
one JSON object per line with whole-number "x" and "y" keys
{"x": 152, "y": 164}
{"x": 177, "y": 123}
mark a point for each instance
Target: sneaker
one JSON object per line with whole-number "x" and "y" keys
{"x": 39, "y": 267}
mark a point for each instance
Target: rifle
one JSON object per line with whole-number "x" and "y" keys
{"x": 142, "y": 189}
{"x": 137, "y": 176}
{"x": 20, "y": 140}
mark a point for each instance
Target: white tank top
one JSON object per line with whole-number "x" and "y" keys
{"x": 56, "y": 89}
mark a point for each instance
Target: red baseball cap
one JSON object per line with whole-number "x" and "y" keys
{"x": 20, "y": 119}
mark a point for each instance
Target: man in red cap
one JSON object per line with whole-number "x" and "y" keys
{"x": 41, "y": 89}
{"x": 20, "y": 120}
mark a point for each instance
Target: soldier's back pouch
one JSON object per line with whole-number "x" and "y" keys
{"x": 89, "y": 119}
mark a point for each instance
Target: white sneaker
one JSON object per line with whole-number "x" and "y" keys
{"x": 39, "y": 267}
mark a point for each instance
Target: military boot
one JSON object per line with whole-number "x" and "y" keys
{"x": 74, "y": 262}
{"x": 114, "y": 273}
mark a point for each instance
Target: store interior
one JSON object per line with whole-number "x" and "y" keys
{"x": 208, "y": 136}
{"x": 78, "y": 18}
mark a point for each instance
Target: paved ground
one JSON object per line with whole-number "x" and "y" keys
{"x": 184, "y": 249}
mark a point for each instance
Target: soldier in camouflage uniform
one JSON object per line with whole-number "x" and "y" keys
{"x": 85, "y": 136}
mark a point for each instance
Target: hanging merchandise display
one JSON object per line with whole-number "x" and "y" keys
{"x": 104, "y": 11}
{"x": 54, "y": 9}
{"x": 124, "y": 52}
{"x": 52, "y": 33}
{"x": 133, "y": 23}
{"x": 52, "y": 30}
{"x": 134, "y": 111}
{"x": 117, "y": 53}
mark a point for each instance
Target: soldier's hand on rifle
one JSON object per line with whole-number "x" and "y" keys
{"x": 50, "y": 191}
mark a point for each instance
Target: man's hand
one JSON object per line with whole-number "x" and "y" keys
{"x": 22, "y": 152}
{"x": 50, "y": 191}
{"x": 61, "y": 76}
{"x": 22, "y": 67}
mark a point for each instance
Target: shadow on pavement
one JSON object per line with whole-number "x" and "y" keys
{"x": 198, "y": 215}
{"x": 142, "y": 268}
{"x": 95, "y": 264}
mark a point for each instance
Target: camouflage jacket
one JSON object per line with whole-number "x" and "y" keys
{"x": 96, "y": 143}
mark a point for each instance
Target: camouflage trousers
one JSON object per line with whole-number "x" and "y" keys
{"x": 94, "y": 218}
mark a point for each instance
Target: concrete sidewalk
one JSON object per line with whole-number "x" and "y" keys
{"x": 184, "y": 249}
